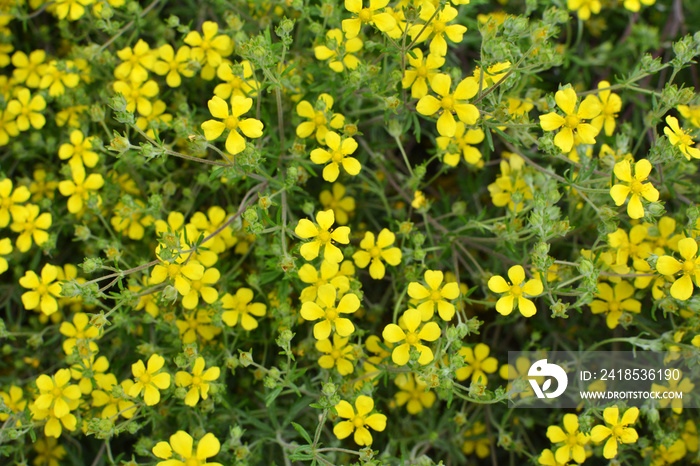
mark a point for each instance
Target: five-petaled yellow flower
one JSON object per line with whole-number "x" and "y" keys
{"x": 326, "y": 309}
{"x": 55, "y": 394}
{"x": 478, "y": 363}
{"x": 336, "y": 354}
{"x": 339, "y": 154}
{"x": 182, "y": 444}
{"x": 617, "y": 429}
{"x": 516, "y": 293}
{"x": 613, "y": 302}
{"x": 358, "y": 421}
{"x": 634, "y": 186}
{"x": 682, "y": 288}
{"x": 197, "y": 381}
{"x": 324, "y": 237}
{"x": 680, "y": 138}
{"x": 251, "y": 127}
{"x": 434, "y": 296}
{"x": 450, "y": 102}
{"x": 43, "y": 292}
{"x": 367, "y": 15}
{"x": 373, "y": 253}
{"x": 574, "y": 441}
{"x": 149, "y": 380}
{"x": 572, "y": 123}
{"x": 411, "y": 337}
{"x": 239, "y": 307}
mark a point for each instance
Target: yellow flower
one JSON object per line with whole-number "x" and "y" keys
{"x": 419, "y": 201}
{"x": 413, "y": 393}
{"x": 572, "y": 123}
{"x": 196, "y": 323}
{"x": 202, "y": 287}
{"x": 137, "y": 94}
{"x": 374, "y": 253}
{"x": 89, "y": 371}
{"x": 80, "y": 188}
{"x": 412, "y": 338}
{"x": 239, "y": 307}
{"x": 208, "y": 48}
{"x": 583, "y": 9}
{"x": 450, "y": 102}
{"x": 136, "y": 62}
{"x": 422, "y": 72}
{"x": 319, "y": 118}
{"x": 27, "y": 67}
{"x": 325, "y": 308}
{"x": 511, "y": 373}
{"x": 80, "y": 329}
{"x": 574, "y": 441}
{"x": 358, "y": 421}
{"x": 680, "y": 138}
{"x": 197, "y": 381}
{"x": 70, "y": 115}
{"x": 48, "y": 452}
{"x": 10, "y": 200}
{"x": 27, "y": 108}
{"x": 111, "y": 406}
{"x": 519, "y": 290}
{"x": 462, "y": 140}
{"x": 324, "y": 237}
{"x": 211, "y": 223}
{"x": 55, "y": 395}
{"x": 54, "y": 425}
{"x": 610, "y": 104}
{"x": 434, "y": 296}
{"x": 71, "y": 9}
{"x": 182, "y": 444}
{"x": 330, "y": 272}
{"x": 251, "y": 127}
{"x": 57, "y": 75}
{"x": 367, "y": 15}
{"x": 340, "y": 149}
{"x": 689, "y": 112}
{"x": 336, "y": 200}
{"x": 679, "y": 385}
{"x": 337, "y": 354}
{"x": 43, "y": 292}
{"x": 30, "y": 225}
{"x": 340, "y": 52}
{"x": 148, "y": 380}
{"x": 236, "y": 83}
{"x": 179, "y": 273}
{"x": 79, "y": 149}
{"x": 478, "y": 363}
{"x": 172, "y": 65}
{"x": 14, "y": 401}
{"x": 617, "y": 429}
{"x": 682, "y": 288}
{"x": 547, "y": 458}
{"x": 5, "y": 249}
{"x": 635, "y": 5}
{"x": 130, "y": 219}
{"x": 613, "y": 302}
{"x": 477, "y": 441}
{"x": 661, "y": 455}
{"x": 437, "y": 28}
{"x": 41, "y": 188}
{"x": 634, "y": 187}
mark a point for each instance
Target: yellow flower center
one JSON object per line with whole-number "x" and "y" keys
{"x": 438, "y": 27}
{"x": 192, "y": 462}
{"x": 412, "y": 338}
{"x": 422, "y": 71}
{"x": 618, "y": 430}
{"x": 573, "y": 440}
{"x": 337, "y": 156}
{"x": 193, "y": 324}
{"x": 196, "y": 380}
{"x": 365, "y": 15}
{"x": 79, "y": 190}
{"x": 636, "y": 187}
{"x": 614, "y": 306}
{"x": 448, "y": 102}
{"x": 375, "y": 252}
{"x": 331, "y": 314}
{"x": 319, "y": 120}
{"x": 435, "y": 295}
{"x": 688, "y": 266}
{"x": 571, "y": 121}
{"x": 324, "y": 236}
{"x": 231, "y": 122}
{"x": 197, "y": 285}
{"x": 57, "y": 392}
{"x": 335, "y": 354}
{"x": 42, "y": 289}
{"x": 516, "y": 291}
{"x": 145, "y": 378}
{"x": 173, "y": 270}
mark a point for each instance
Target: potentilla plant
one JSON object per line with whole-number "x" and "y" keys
{"x": 309, "y": 232}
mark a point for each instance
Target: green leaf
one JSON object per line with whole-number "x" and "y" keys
{"x": 303, "y": 432}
